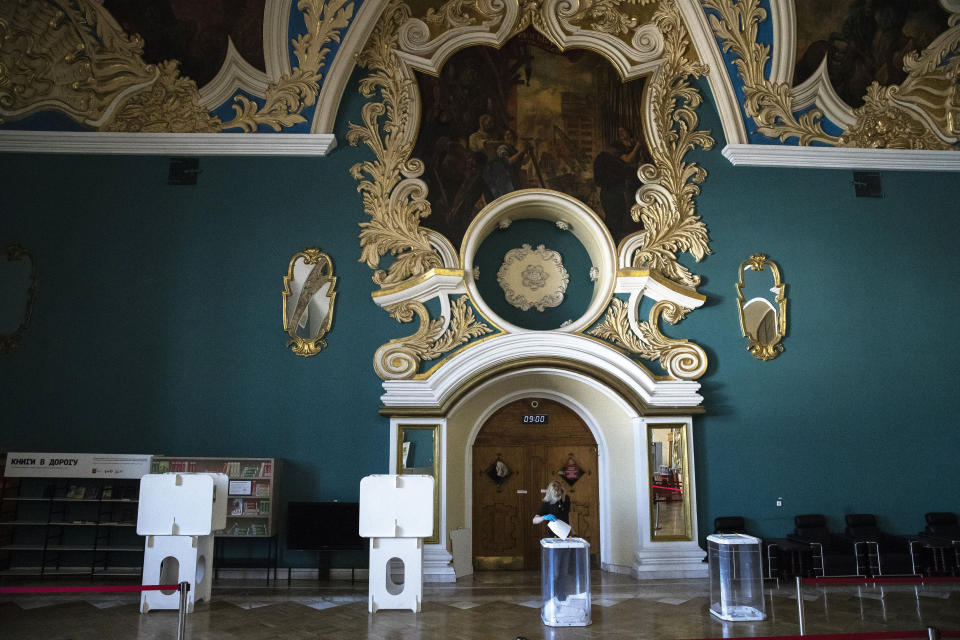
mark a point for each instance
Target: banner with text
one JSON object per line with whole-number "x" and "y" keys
{"x": 77, "y": 465}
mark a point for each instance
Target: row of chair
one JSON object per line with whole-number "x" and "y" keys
{"x": 863, "y": 549}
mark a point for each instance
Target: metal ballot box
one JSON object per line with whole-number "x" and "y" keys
{"x": 736, "y": 577}
{"x": 565, "y": 580}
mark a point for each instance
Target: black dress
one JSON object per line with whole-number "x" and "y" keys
{"x": 560, "y": 509}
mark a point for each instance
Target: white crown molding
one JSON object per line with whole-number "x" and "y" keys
{"x": 141, "y": 144}
{"x": 724, "y": 97}
{"x": 818, "y": 90}
{"x": 487, "y": 355}
{"x": 757, "y": 155}
{"x": 783, "y": 16}
{"x": 338, "y": 73}
{"x": 235, "y": 74}
{"x": 276, "y": 40}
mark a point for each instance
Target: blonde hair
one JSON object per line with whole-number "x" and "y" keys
{"x": 555, "y": 492}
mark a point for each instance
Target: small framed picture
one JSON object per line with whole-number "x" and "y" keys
{"x": 241, "y": 487}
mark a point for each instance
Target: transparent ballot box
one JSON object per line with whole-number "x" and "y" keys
{"x": 565, "y": 579}
{"x": 736, "y": 578}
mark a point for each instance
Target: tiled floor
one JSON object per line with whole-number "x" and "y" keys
{"x": 488, "y": 606}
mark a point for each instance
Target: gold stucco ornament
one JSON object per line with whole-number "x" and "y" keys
{"x": 682, "y": 359}
{"x": 920, "y": 113}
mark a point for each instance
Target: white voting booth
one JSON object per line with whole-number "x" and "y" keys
{"x": 178, "y": 513}
{"x": 396, "y": 513}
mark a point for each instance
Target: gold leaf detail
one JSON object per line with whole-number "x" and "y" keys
{"x": 920, "y": 113}
{"x": 680, "y": 358}
{"x": 401, "y": 358}
{"x": 395, "y": 208}
{"x": 286, "y": 98}
{"x": 169, "y": 105}
{"x": 667, "y": 208}
{"x": 769, "y": 104}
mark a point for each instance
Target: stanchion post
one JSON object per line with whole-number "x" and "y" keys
{"x": 933, "y": 633}
{"x": 800, "y": 602}
{"x": 184, "y": 589}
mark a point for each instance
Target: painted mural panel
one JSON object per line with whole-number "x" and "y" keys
{"x": 864, "y": 40}
{"x": 527, "y": 116}
{"x": 195, "y": 33}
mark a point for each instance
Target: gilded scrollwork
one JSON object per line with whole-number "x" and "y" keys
{"x": 605, "y": 16}
{"x": 67, "y": 55}
{"x": 682, "y": 359}
{"x": 666, "y": 205}
{"x": 286, "y": 98}
{"x": 169, "y": 105}
{"x": 392, "y": 196}
{"x": 920, "y": 113}
{"x": 400, "y": 359}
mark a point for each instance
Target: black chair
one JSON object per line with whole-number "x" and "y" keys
{"x": 774, "y": 550}
{"x": 877, "y": 553}
{"x": 936, "y": 549}
{"x": 828, "y": 554}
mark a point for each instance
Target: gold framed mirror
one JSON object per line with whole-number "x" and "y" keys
{"x": 308, "y": 296}
{"x": 763, "y": 308}
{"x": 418, "y": 453}
{"x": 671, "y": 518}
{"x": 18, "y": 282}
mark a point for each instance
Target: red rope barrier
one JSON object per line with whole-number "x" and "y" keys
{"x": 880, "y": 580}
{"x": 870, "y": 635}
{"x": 131, "y": 587}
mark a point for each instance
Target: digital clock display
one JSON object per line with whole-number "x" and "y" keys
{"x": 535, "y": 419}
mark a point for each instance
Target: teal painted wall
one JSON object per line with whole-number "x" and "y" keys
{"x": 855, "y": 415}
{"x": 157, "y": 329}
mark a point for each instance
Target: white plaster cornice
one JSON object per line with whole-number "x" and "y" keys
{"x": 435, "y": 282}
{"x": 763, "y": 155}
{"x": 276, "y": 40}
{"x": 502, "y": 351}
{"x": 817, "y": 90}
{"x": 165, "y": 144}
{"x": 783, "y": 53}
{"x": 235, "y": 74}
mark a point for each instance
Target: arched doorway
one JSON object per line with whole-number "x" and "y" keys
{"x": 518, "y": 451}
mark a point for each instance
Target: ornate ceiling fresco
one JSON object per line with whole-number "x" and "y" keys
{"x": 878, "y": 77}
{"x": 847, "y": 73}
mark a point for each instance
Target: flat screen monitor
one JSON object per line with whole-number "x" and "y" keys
{"x": 318, "y": 526}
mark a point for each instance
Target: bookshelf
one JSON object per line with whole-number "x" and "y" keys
{"x": 252, "y": 495}
{"x": 69, "y": 526}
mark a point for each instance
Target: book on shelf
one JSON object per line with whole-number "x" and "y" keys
{"x": 250, "y": 471}
{"x": 266, "y": 470}
{"x": 236, "y": 506}
{"x": 107, "y": 492}
{"x": 258, "y": 530}
{"x": 250, "y": 506}
{"x": 161, "y": 466}
{"x": 261, "y": 489}
{"x": 232, "y": 469}
{"x": 264, "y": 507}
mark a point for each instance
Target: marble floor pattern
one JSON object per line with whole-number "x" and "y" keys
{"x": 488, "y": 606}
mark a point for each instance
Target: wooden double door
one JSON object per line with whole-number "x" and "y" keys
{"x": 518, "y": 451}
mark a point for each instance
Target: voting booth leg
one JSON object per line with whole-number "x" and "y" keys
{"x": 175, "y": 559}
{"x": 387, "y": 589}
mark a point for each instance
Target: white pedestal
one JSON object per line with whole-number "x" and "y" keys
{"x": 438, "y": 565}
{"x": 176, "y": 559}
{"x": 385, "y": 593}
{"x": 670, "y": 560}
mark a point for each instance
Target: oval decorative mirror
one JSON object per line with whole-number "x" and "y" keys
{"x": 763, "y": 307}
{"x": 308, "y": 294}
{"x": 18, "y": 288}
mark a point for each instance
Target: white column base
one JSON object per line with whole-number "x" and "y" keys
{"x": 671, "y": 560}
{"x": 438, "y": 565}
